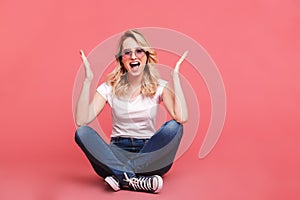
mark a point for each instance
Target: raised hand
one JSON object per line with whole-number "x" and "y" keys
{"x": 177, "y": 66}
{"x": 175, "y": 101}
{"x": 88, "y": 71}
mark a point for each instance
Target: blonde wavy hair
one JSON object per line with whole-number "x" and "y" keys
{"x": 118, "y": 77}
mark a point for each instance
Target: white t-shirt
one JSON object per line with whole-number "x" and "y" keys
{"x": 135, "y": 118}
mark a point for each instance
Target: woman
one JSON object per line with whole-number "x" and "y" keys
{"x": 138, "y": 155}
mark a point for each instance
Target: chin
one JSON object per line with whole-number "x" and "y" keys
{"x": 135, "y": 73}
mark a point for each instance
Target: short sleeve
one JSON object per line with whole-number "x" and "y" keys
{"x": 105, "y": 90}
{"x": 161, "y": 85}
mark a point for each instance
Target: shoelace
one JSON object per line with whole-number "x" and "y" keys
{"x": 141, "y": 183}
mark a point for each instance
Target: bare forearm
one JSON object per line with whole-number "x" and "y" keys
{"x": 181, "y": 110}
{"x": 82, "y": 109}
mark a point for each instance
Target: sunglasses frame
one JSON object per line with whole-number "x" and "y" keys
{"x": 127, "y": 53}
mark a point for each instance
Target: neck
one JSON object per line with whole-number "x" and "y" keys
{"x": 134, "y": 81}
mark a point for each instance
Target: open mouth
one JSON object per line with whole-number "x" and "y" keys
{"x": 134, "y": 64}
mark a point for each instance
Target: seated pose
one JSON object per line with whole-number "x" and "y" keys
{"x": 138, "y": 155}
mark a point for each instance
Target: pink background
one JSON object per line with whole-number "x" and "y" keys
{"x": 255, "y": 45}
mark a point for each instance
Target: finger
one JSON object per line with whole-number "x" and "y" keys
{"x": 183, "y": 57}
{"x": 82, "y": 55}
{"x": 180, "y": 61}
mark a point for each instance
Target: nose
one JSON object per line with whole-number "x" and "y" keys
{"x": 133, "y": 56}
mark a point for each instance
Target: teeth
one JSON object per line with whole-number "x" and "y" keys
{"x": 135, "y": 63}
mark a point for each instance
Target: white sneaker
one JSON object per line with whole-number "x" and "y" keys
{"x": 145, "y": 183}
{"x": 113, "y": 183}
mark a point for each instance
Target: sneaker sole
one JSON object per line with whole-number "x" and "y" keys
{"x": 159, "y": 184}
{"x": 112, "y": 183}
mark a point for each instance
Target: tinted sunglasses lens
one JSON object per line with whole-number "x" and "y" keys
{"x": 139, "y": 52}
{"x": 126, "y": 53}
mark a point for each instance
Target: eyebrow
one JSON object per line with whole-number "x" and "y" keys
{"x": 133, "y": 48}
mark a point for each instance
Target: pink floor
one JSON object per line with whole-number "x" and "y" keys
{"x": 238, "y": 168}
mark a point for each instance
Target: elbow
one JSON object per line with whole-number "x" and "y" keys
{"x": 180, "y": 120}
{"x": 79, "y": 123}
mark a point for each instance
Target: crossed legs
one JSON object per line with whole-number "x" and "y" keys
{"x": 155, "y": 158}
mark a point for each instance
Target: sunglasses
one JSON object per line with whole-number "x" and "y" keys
{"x": 138, "y": 52}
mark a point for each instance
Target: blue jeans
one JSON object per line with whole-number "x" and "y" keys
{"x": 153, "y": 156}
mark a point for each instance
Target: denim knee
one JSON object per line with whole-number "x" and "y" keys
{"x": 83, "y": 131}
{"x": 173, "y": 128}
